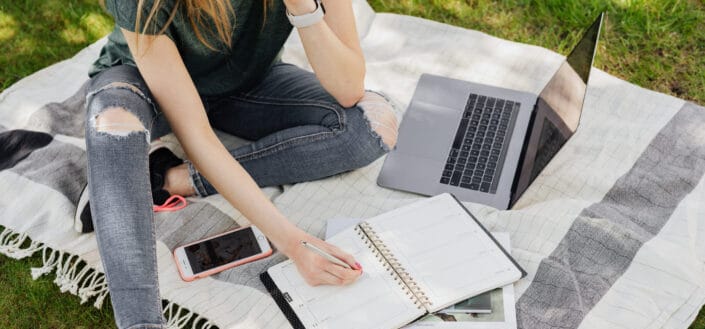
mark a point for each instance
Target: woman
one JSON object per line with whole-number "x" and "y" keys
{"x": 189, "y": 65}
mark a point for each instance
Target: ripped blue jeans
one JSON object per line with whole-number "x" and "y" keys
{"x": 300, "y": 133}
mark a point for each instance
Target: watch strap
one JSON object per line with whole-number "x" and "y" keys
{"x": 309, "y": 19}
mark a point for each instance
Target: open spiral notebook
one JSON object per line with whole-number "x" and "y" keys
{"x": 417, "y": 259}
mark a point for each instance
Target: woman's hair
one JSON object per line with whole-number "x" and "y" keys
{"x": 214, "y": 17}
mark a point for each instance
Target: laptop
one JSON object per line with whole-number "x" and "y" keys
{"x": 487, "y": 144}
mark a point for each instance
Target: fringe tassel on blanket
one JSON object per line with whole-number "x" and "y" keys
{"x": 179, "y": 317}
{"x": 75, "y": 276}
{"x": 84, "y": 283}
{"x": 11, "y": 245}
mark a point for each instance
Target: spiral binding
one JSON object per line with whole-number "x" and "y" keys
{"x": 393, "y": 266}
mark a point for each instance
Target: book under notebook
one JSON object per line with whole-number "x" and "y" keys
{"x": 417, "y": 259}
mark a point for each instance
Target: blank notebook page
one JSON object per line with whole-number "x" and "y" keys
{"x": 375, "y": 300}
{"x": 444, "y": 250}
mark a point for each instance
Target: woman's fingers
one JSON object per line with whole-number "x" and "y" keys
{"x": 322, "y": 272}
{"x": 344, "y": 256}
{"x": 329, "y": 279}
{"x": 345, "y": 275}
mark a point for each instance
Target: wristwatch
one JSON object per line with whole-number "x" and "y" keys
{"x": 307, "y": 19}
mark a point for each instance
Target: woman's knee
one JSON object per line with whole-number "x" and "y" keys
{"x": 117, "y": 121}
{"x": 381, "y": 116}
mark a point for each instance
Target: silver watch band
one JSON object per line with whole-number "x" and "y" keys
{"x": 309, "y": 19}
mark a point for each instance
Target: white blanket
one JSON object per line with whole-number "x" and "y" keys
{"x": 611, "y": 232}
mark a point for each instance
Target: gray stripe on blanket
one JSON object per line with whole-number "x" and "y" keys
{"x": 60, "y": 166}
{"x": 65, "y": 118}
{"x": 199, "y": 220}
{"x": 602, "y": 242}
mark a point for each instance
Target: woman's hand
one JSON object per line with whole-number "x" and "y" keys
{"x": 317, "y": 270}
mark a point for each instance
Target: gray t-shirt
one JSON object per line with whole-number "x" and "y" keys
{"x": 254, "y": 47}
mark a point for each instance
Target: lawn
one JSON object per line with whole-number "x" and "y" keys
{"x": 658, "y": 44}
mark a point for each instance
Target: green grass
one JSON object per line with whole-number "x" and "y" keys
{"x": 37, "y": 33}
{"x": 25, "y": 303}
{"x": 658, "y": 44}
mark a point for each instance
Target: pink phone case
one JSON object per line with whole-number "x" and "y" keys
{"x": 221, "y": 268}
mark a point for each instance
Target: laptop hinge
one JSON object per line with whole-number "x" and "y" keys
{"x": 520, "y": 166}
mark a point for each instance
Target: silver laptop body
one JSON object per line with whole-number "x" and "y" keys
{"x": 454, "y": 131}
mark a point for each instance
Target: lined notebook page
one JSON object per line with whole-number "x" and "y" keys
{"x": 448, "y": 255}
{"x": 375, "y": 300}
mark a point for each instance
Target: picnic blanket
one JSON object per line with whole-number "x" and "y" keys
{"x": 611, "y": 233}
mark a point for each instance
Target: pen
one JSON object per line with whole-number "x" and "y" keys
{"x": 325, "y": 255}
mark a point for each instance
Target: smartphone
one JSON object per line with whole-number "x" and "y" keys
{"x": 221, "y": 252}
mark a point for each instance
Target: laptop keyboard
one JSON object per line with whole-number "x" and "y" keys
{"x": 475, "y": 160}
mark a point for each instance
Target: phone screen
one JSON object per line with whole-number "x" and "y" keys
{"x": 222, "y": 250}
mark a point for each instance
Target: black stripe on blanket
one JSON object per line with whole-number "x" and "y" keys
{"x": 602, "y": 242}
{"x": 16, "y": 145}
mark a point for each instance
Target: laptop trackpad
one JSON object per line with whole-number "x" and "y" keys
{"x": 428, "y": 130}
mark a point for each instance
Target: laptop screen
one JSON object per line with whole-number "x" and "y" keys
{"x": 558, "y": 109}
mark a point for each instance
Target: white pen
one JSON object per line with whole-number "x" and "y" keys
{"x": 325, "y": 255}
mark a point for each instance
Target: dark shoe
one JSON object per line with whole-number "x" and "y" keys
{"x": 161, "y": 159}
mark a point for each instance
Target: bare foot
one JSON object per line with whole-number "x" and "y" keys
{"x": 178, "y": 181}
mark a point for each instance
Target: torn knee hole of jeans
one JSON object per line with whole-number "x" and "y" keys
{"x": 117, "y": 121}
{"x": 381, "y": 116}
